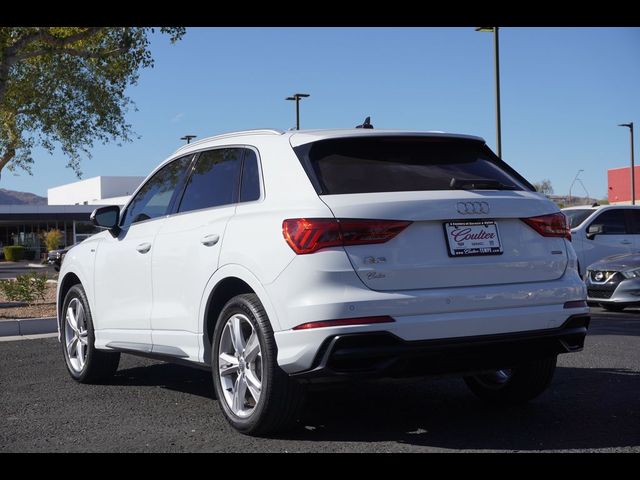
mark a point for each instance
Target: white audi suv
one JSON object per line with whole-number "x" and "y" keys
{"x": 280, "y": 259}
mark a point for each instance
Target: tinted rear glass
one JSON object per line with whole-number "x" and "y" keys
{"x": 394, "y": 164}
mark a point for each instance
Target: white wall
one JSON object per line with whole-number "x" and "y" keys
{"x": 75, "y": 193}
{"x": 93, "y": 190}
{"x": 119, "y": 186}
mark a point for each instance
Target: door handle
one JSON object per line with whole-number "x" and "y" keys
{"x": 144, "y": 247}
{"x": 210, "y": 240}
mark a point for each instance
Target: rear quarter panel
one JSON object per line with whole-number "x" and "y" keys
{"x": 254, "y": 237}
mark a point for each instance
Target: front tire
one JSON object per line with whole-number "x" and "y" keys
{"x": 514, "y": 386}
{"x": 84, "y": 363}
{"x": 255, "y": 395}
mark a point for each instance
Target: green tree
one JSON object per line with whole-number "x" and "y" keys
{"x": 544, "y": 187}
{"x": 66, "y": 86}
{"x": 51, "y": 239}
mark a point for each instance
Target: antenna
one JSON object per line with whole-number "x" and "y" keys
{"x": 366, "y": 123}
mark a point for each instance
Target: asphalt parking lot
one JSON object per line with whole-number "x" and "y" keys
{"x": 592, "y": 405}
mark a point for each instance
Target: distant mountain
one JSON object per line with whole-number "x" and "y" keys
{"x": 11, "y": 197}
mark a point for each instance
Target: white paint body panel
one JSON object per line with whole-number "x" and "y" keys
{"x": 181, "y": 266}
{"x": 123, "y": 284}
{"x": 160, "y": 298}
{"x": 418, "y": 257}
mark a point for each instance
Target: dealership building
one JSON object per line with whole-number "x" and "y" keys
{"x": 68, "y": 209}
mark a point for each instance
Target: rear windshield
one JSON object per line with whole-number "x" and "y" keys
{"x": 397, "y": 164}
{"x": 577, "y": 216}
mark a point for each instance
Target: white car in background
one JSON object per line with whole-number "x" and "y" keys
{"x": 603, "y": 230}
{"x": 278, "y": 259}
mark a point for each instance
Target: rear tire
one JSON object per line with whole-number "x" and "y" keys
{"x": 516, "y": 385}
{"x": 84, "y": 362}
{"x": 255, "y": 395}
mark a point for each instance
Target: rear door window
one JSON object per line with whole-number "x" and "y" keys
{"x": 214, "y": 180}
{"x": 394, "y": 164}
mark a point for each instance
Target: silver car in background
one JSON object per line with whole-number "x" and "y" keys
{"x": 614, "y": 282}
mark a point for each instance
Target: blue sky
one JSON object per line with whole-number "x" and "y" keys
{"x": 564, "y": 90}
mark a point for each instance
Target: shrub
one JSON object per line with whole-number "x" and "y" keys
{"x": 25, "y": 288}
{"x": 14, "y": 253}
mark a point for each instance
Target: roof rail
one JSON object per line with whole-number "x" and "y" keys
{"x": 259, "y": 131}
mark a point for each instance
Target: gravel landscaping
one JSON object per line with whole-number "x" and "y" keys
{"x": 39, "y": 309}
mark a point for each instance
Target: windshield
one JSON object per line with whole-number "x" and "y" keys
{"x": 397, "y": 164}
{"x": 577, "y": 216}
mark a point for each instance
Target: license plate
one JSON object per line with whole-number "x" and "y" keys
{"x": 466, "y": 239}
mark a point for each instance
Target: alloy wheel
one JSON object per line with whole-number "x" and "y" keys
{"x": 76, "y": 335}
{"x": 240, "y": 367}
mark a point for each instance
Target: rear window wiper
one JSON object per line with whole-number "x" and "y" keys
{"x": 479, "y": 184}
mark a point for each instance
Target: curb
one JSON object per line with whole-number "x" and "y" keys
{"x": 28, "y": 326}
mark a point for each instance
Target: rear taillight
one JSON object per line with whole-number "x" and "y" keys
{"x": 553, "y": 225}
{"x": 343, "y": 322}
{"x": 308, "y": 235}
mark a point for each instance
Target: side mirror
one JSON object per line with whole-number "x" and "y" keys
{"x": 594, "y": 230}
{"x": 107, "y": 217}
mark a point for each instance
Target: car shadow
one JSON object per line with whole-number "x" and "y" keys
{"x": 583, "y": 409}
{"x": 167, "y": 375}
{"x": 618, "y": 323}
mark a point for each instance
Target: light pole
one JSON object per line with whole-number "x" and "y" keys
{"x": 633, "y": 177}
{"x": 574, "y": 181}
{"x": 496, "y": 46}
{"x": 296, "y": 97}
{"x": 188, "y": 138}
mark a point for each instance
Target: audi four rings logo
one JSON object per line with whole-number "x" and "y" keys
{"x": 473, "y": 208}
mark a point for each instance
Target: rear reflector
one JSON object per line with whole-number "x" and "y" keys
{"x": 554, "y": 225}
{"x": 308, "y": 235}
{"x": 576, "y": 304}
{"x": 344, "y": 322}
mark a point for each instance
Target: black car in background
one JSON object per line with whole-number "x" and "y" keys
{"x": 55, "y": 257}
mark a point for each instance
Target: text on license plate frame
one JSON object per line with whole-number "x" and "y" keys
{"x": 472, "y": 247}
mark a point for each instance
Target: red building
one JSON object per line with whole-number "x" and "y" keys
{"x": 619, "y": 180}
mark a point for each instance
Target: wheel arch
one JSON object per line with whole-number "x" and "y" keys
{"x": 69, "y": 280}
{"x": 226, "y": 283}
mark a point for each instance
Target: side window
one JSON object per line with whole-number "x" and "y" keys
{"x": 634, "y": 215}
{"x": 250, "y": 186}
{"x": 154, "y": 198}
{"x": 613, "y": 222}
{"x": 214, "y": 180}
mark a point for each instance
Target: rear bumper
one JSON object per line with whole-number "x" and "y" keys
{"x": 382, "y": 354}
